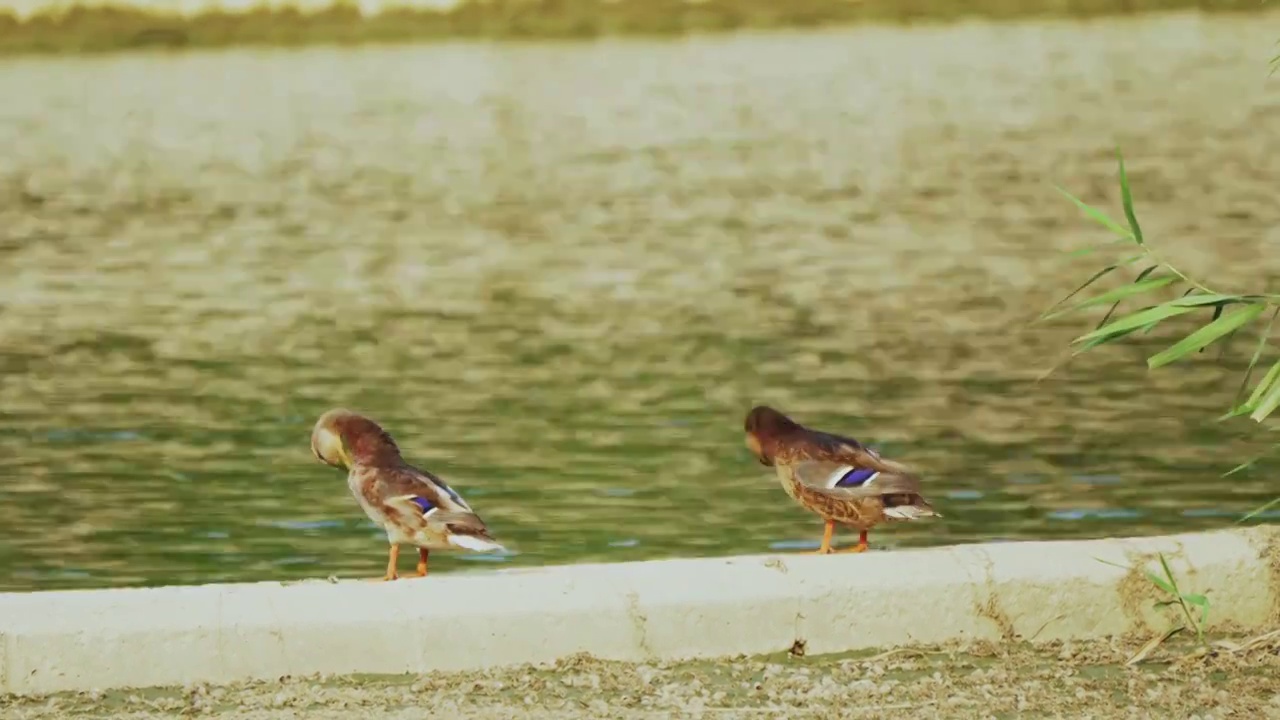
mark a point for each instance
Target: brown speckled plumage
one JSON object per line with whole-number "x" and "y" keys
{"x": 413, "y": 506}
{"x": 365, "y": 439}
{"x": 809, "y": 462}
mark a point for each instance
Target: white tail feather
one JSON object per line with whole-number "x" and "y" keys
{"x": 909, "y": 512}
{"x": 470, "y": 542}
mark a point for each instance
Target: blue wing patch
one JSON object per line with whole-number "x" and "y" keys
{"x": 854, "y": 477}
{"x": 426, "y": 505}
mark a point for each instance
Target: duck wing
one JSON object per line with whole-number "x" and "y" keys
{"x": 847, "y": 480}
{"x": 420, "y": 494}
{"x": 423, "y": 489}
{"x": 817, "y": 445}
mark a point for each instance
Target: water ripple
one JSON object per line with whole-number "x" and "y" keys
{"x": 564, "y": 307}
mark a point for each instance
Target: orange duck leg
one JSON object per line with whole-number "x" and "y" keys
{"x": 393, "y": 555}
{"x": 828, "y": 530}
{"x": 862, "y": 543}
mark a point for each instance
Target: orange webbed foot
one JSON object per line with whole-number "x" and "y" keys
{"x": 862, "y": 543}
{"x": 422, "y": 562}
{"x": 825, "y": 548}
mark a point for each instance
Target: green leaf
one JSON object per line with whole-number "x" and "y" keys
{"x": 1111, "y": 310}
{"x": 1196, "y": 599}
{"x": 1265, "y": 384}
{"x": 1160, "y": 582}
{"x": 1104, "y": 339}
{"x": 1235, "y": 411}
{"x": 1267, "y": 404}
{"x": 1145, "y": 272}
{"x": 1116, "y": 294}
{"x": 1200, "y": 601}
{"x": 1254, "y": 513}
{"x": 1134, "y": 321}
{"x": 1238, "y": 468}
{"x": 1213, "y": 299}
{"x": 1168, "y": 573}
{"x": 1205, "y": 335}
{"x": 1257, "y": 354}
{"x": 1087, "y": 283}
{"x": 1099, "y": 341}
{"x": 1097, "y": 215}
{"x": 1126, "y": 197}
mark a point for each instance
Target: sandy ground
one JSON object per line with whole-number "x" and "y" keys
{"x": 1073, "y": 680}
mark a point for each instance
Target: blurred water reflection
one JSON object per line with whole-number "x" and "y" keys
{"x": 561, "y": 274}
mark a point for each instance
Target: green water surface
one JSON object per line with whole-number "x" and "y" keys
{"x": 561, "y": 274}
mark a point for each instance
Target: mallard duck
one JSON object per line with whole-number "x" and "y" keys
{"x": 413, "y": 506}
{"x": 835, "y": 476}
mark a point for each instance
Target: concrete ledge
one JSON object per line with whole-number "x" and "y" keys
{"x": 661, "y": 610}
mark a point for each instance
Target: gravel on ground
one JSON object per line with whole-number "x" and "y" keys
{"x": 1180, "y": 679}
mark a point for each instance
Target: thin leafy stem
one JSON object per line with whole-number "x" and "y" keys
{"x": 1183, "y": 600}
{"x": 1157, "y": 258}
{"x": 1092, "y": 279}
{"x": 1220, "y": 329}
{"x": 1254, "y": 513}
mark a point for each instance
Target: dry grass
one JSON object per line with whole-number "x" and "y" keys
{"x": 97, "y": 30}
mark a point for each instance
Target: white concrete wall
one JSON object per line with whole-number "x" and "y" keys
{"x": 187, "y": 8}
{"x": 672, "y": 609}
